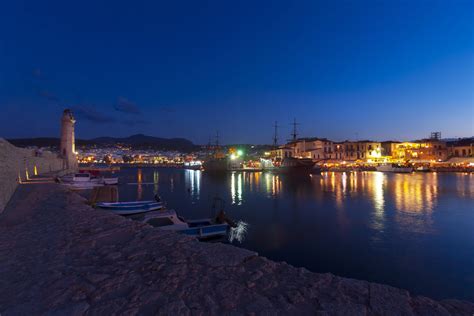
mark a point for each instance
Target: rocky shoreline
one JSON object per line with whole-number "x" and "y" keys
{"x": 62, "y": 257}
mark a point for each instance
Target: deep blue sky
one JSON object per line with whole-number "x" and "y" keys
{"x": 344, "y": 69}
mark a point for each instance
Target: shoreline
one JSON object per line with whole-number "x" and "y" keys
{"x": 173, "y": 166}
{"x": 60, "y": 255}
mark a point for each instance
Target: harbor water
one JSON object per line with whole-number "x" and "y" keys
{"x": 413, "y": 231}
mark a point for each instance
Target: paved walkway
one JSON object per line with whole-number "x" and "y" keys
{"x": 59, "y": 256}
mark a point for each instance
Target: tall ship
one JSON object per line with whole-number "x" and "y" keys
{"x": 290, "y": 165}
{"x": 217, "y": 161}
{"x": 215, "y": 164}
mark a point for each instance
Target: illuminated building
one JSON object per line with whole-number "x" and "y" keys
{"x": 421, "y": 150}
{"x": 461, "y": 147}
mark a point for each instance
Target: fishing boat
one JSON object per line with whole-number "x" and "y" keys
{"x": 82, "y": 185}
{"x": 394, "y": 168}
{"x": 81, "y": 179}
{"x": 130, "y": 208}
{"x": 169, "y": 220}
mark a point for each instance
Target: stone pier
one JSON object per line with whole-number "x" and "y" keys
{"x": 18, "y": 164}
{"x": 61, "y": 257}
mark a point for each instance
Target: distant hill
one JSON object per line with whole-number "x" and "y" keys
{"x": 138, "y": 141}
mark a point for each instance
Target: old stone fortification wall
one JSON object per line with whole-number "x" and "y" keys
{"x": 16, "y": 164}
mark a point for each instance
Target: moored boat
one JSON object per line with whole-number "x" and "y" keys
{"x": 82, "y": 179}
{"x": 130, "y": 208}
{"x": 169, "y": 220}
{"x": 394, "y": 168}
{"x": 292, "y": 165}
{"x": 215, "y": 165}
{"x": 423, "y": 169}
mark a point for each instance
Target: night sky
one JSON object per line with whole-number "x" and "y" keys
{"x": 345, "y": 69}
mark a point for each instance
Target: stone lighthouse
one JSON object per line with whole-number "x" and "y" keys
{"x": 68, "y": 150}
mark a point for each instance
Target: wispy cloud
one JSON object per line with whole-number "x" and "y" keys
{"x": 126, "y": 106}
{"x": 88, "y": 113}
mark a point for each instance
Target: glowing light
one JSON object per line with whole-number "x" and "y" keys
{"x": 233, "y": 157}
{"x": 240, "y": 152}
{"x": 238, "y": 233}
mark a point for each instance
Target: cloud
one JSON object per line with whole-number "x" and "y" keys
{"x": 88, "y": 113}
{"x": 48, "y": 95}
{"x": 126, "y": 106}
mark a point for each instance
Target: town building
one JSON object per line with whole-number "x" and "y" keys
{"x": 463, "y": 147}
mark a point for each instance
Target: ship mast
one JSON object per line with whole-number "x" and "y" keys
{"x": 217, "y": 140}
{"x": 275, "y": 135}
{"x": 294, "y": 135}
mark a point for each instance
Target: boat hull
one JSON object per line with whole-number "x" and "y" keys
{"x": 215, "y": 165}
{"x": 295, "y": 166}
{"x": 130, "y": 208}
{"x": 392, "y": 169}
{"x": 207, "y": 231}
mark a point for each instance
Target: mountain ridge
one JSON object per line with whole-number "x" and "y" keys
{"x": 137, "y": 141}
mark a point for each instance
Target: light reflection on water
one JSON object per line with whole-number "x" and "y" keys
{"x": 406, "y": 230}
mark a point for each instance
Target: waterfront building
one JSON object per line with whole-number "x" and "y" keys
{"x": 338, "y": 151}
{"x": 421, "y": 150}
{"x": 463, "y": 147}
{"x": 314, "y": 148}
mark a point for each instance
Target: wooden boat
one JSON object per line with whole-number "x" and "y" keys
{"x": 130, "y": 208}
{"x": 169, "y": 220}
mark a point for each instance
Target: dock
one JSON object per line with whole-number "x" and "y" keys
{"x": 60, "y": 256}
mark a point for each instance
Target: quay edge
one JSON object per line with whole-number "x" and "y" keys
{"x": 61, "y": 256}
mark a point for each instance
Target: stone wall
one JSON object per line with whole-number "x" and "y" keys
{"x": 17, "y": 164}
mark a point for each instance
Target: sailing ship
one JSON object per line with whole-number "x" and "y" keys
{"x": 217, "y": 162}
{"x": 290, "y": 165}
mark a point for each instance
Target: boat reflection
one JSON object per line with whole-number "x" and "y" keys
{"x": 236, "y": 187}
{"x": 192, "y": 180}
{"x": 139, "y": 184}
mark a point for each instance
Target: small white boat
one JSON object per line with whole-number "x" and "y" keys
{"x": 169, "y": 220}
{"x": 423, "y": 169}
{"x": 131, "y": 208}
{"x": 82, "y": 185}
{"x": 83, "y": 178}
{"x": 394, "y": 168}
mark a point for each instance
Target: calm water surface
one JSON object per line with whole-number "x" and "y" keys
{"x": 414, "y": 231}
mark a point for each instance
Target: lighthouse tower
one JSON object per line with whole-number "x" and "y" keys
{"x": 68, "y": 150}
